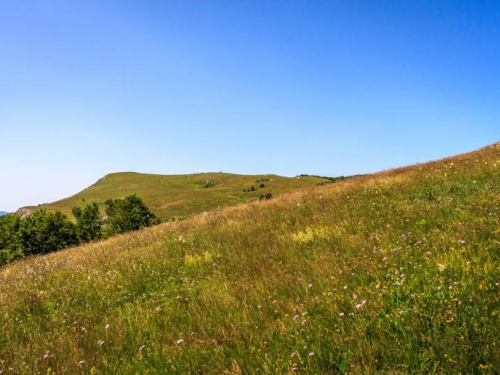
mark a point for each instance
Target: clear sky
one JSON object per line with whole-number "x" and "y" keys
{"x": 288, "y": 87}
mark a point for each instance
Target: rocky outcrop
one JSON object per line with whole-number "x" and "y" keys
{"x": 23, "y": 212}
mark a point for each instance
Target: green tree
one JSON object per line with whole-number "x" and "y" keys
{"x": 88, "y": 223}
{"x": 10, "y": 248}
{"x": 44, "y": 232}
{"x": 127, "y": 214}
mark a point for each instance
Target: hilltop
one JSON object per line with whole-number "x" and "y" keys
{"x": 395, "y": 272}
{"x": 174, "y": 196}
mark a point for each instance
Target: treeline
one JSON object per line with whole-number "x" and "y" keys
{"x": 44, "y": 232}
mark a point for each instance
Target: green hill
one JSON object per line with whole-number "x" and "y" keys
{"x": 171, "y": 196}
{"x": 396, "y": 272}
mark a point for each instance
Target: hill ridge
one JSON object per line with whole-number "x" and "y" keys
{"x": 181, "y": 195}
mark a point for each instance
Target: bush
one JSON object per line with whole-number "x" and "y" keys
{"x": 44, "y": 232}
{"x": 9, "y": 240}
{"x": 127, "y": 214}
{"x": 88, "y": 223}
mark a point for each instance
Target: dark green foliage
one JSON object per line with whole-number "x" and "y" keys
{"x": 9, "y": 244}
{"x": 88, "y": 223}
{"x": 44, "y": 232}
{"x": 266, "y": 196}
{"x": 208, "y": 183}
{"x": 127, "y": 214}
{"x": 262, "y": 185}
{"x": 252, "y": 188}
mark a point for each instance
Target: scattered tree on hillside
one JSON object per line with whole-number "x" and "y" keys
{"x": 127, "y": 214}
{"x": 88, "y": 223}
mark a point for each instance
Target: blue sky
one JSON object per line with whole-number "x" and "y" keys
{"x": 288, "y": 87}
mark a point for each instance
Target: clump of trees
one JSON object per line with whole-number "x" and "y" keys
{"x": 44, "y": 232}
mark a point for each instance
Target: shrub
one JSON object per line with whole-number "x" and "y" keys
{"x": 9, "y": 240}
{"x": 88, "y": 223}
{"x": 127, "y": 214}
{"x": 44, "y": 232}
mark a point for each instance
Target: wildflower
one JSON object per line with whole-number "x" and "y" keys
{"x": 180, "y": 341}
{"x": 341, "y": 314}
{"x": 311, "y": 354}
{"x": 310, "y": 285}
{"x": 141, "y": 347}
{"x": 294, "y": 353}
{"x": 81, "y": 363}
{"x": 358, "y": 306}
{"x": 46, "y": 356}
{"x": 100, "y": 342}
{"x": 107, "y": 326}
{"x": 295, "y": 369}
{"x": 295, "y": 317}
{"x": 461, "y": 242}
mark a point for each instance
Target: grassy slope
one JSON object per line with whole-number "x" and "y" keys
{"x": 171, "y": 196}
{"x": 256, "y": 288}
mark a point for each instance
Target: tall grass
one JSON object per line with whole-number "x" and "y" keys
{"x": 396, "y": 272}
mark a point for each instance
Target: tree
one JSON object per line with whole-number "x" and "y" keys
{"x": 88, "y": 223}
{"x": 9, "y": 240}
{"x": 127, "y": 214}
{"x": 44, "y": 232}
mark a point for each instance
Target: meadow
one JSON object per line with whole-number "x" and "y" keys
{"x": 178, "y": 196}
{"x": 395, "y": 272}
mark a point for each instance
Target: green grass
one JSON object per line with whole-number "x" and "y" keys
{"x": 396, "y": 272}
{"x": 174, "y": 196}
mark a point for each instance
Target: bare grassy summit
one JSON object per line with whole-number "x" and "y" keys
{"x": 396, "y": 272}
{"x": 174, "y": 196}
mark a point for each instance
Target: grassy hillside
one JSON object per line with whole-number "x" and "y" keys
{"x": 396, "y": 272}
{"x": 170, "y": 196}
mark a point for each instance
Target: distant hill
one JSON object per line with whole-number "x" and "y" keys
{"x": 3, "y": 213}
{"x": 173, "y": 196}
